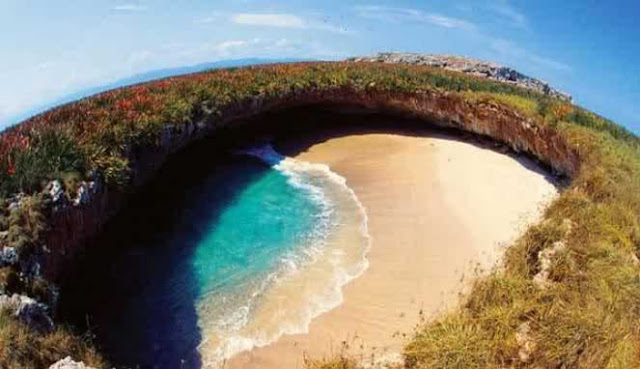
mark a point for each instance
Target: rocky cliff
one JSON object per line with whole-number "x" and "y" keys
{"x": 73, "y": 222}
{"x": 474, "y": 67}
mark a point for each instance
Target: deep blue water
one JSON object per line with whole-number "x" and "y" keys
{"x": 220, "y": 230}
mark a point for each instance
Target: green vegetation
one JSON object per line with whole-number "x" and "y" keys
{"x": 586, "y": 316}
{"x": 25, "y": 224}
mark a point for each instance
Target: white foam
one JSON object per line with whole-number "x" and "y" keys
{"x": 305, "y": 176}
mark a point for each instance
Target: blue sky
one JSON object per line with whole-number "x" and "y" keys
{"x": 49, "y": 49}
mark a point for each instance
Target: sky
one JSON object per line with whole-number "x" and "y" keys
{"x": 50, "y": 49}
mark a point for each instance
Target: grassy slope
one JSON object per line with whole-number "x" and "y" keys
{"x": 20, "y": 347}
{"x": 587, "y": 318}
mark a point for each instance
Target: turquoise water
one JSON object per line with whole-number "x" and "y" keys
{"x": 192, "y": 258}
{"x": 263, "y": 225}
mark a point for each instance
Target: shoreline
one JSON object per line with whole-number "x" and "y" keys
{"x": 427, "y": 202}
{"x": 307, "y": 285}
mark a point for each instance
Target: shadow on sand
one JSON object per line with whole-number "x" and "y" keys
{"x": 320, "y": 124}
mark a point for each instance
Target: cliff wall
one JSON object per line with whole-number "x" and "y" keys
{"x": 73, "y": 223}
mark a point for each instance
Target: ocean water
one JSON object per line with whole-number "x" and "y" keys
{"x": 220, "y": 262}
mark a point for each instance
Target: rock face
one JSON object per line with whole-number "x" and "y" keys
{"x": 68, "y": 363}
{"x": 72, "y": 222}
{"x": 28, "y": 310}
{"x": 475, "y": 67}
{"x": 8, "y": 255}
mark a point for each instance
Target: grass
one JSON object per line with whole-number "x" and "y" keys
{"x": 21, "y": 347}
{"x": 587, "y": 317}
{"x": 341, "y": 362}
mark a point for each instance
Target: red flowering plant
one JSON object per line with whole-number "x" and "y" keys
{"x": 12, "y": 144}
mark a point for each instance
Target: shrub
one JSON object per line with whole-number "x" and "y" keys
{"x": 27, "y": 224}
{"x": 50, "y": 153}
{"x": 21, "y": 347}
{"x": 9, "y": 281}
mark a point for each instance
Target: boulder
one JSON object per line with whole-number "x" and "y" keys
{"x": 68, "y": 363}
{"x": 28, "y": 310}
{"x": 8, "y": 256}
{"x": 55, "y": 191}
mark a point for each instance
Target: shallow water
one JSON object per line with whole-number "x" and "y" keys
{"x": 210, "y": 263}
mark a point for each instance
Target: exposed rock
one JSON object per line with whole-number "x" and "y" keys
{"x": 68, "y": 363}
{"x": 55, "y": 191}
{"x": 31, "y": 265}
{"x": 82, "y": 194}
{"x": 15, "y": 201}
{"x": 525, "y": 342}
{"x": 71, "y": 226}
{"x": 8, "y": 256}
{"x": 470, "y": 66}
{"x": 28, "y": 310}
{"x": 545, "y": 258}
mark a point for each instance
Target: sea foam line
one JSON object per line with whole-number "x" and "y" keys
{"x": 298, "y": 173}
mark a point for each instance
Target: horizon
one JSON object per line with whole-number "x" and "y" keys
{"x": 588, "y": 52}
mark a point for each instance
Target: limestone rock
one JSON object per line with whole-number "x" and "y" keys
{"x": 8, "y": 256}
{"x": 545, "y": 258}
{"x": 15, "y": 201}
{"x": 82, "y": 194}
{"x": 55, "y": 191}
{"x": 474, "y": 67}
{"x": 525, "y": 341}
{"x": 29, "y": 311}
{"x": 68, "y": 363}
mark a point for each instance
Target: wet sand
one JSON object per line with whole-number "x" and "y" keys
{"x": 438, "y": 209}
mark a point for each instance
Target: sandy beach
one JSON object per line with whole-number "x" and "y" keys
{"x": 438, "y": 208}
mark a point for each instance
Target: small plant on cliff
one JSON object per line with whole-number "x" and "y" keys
{"x": 27, "y": 224}
{"x": 4, "y": 216}
{"x": 21, "y": 347}
{"x": 334, "y": 363}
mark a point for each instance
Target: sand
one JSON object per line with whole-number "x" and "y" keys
{"x": 439, "y": 208}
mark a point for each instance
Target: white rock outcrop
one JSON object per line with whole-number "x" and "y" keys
{"x": 68, "y": 363}
{"x": 545, "y": 258}
{"x": 525, "y": 342}
{"x": 28, "y": 310}
{"x": 475, "y": 67}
